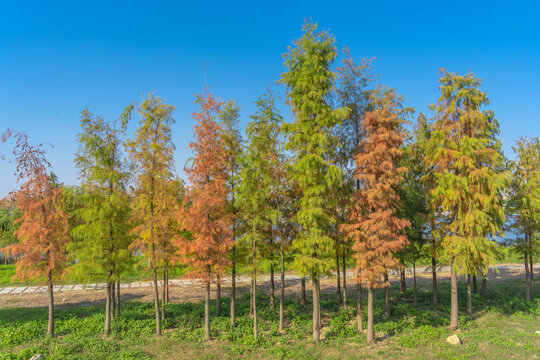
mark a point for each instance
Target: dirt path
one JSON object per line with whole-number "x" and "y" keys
{"x": 192, "y": 290}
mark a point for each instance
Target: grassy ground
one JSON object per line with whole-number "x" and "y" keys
{"x": 502, "y": 327}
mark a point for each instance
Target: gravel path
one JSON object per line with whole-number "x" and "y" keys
{"x": 226, "y": 280}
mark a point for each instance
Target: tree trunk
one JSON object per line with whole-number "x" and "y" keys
{"x": 344, "y": 272}
{"x": 163, "y": 295}
{"x": 108, "y": 308}
{"x": 338, "y": 276}
{"x": 272, "y": 287}
{"x": 531, "y": 268}
{"x": 474, "y": 284}
{"x": 484, "y": 287}
{"x": 414, "y": 279}
{"x": 434, "y": 282}
{"x": 527, "y": 279}
{"x": 469, "y": 295}
{"x": 254, "y": 289}
{"x": 370, "y": 330}
{"x": 282, "y": 287}
{"x": 233, "y": 287}
{"x": 207, "y": 309}
{"x": 316, "y": 308}
{"x": 454, "y": 298}
{"x": 303, "y": 297}
{"x": 402, "y": 280}
{"x": 113, "y": 299}
{"x": 251, "y": 297}
{"x": 387, "y": 296}
{"x": 50, "y": 325}
{"x": 359, "y": 310}
{"x": 156, "y": 299}
{"x": 166, "y": 282}
{"x": 118, "y": 297}
{"x": 218, "y": 296}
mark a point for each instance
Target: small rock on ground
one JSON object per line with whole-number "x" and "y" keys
{"x": 454, "y": 340}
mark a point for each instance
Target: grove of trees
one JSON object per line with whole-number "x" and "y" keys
{"x": 354, "y": 180}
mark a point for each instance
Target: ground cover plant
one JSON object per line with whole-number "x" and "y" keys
{"x": 503, "y": 327}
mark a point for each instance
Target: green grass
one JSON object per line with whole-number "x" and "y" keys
{"x": 502, "y": 327}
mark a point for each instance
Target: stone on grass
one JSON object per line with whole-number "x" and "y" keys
{"x": 454, "y": 340}
{"x": 36, "y": 357}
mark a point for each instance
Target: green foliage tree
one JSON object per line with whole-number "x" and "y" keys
{"x": 309, "y": 82}
{"x": 9, "y": 213}
{"x": 151, "y": 152}
{"x": 100, "y": 250}
{"x": 229, "y": 118}
{"x": 524, "y": 204}
{"x": 465, "y": 159}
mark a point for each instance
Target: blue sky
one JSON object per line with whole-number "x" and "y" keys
{"x": 56, "y": 58}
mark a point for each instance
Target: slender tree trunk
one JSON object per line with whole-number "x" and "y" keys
{"x": 531, "y": 268}
{"x": 484, "y": 287}
{"x": 387, "y": 296}
{"x": 207, "y": 308}
{"x": 338, "y": 281}
{"x": 454, "y": 298}
{"x": 118, "y": 297}
{"x": 434, "y": 282}
{"x": 113, "y": 299}
{"x": 282, "y": 287}
{"x": 272, "y": 287}
{"x": 475, "y": 285}
{"x": 319, "y": 302}
{"x": 163, "y": 295}
{"x": 344, "y": 267}
{"x": 527, "y": 279}
{"x": 359, "y": 310}
{"x": 218, "y": 296}
{"x": 316, "y": 308}
{"x": 414, "y": 279}
{"x": 166, "y": 282}
{"x": 469, "y": 295}
{"x": 370, "y": 329}
{"x": 233, "y": 287}
{"x": 303, "y": 296}
{"x": 251, "y": 296}
{"x": 402, "y": 280}
{"x": 108, "y": 307}
{"x": 156, "y": 298}
{"x": 50, "y": 325}
{"x": 254, "y": 289}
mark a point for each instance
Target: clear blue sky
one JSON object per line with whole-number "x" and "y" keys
{"x": 56, "y": 58}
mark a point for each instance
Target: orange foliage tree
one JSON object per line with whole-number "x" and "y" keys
{"x": 205, "y": 217}
{"x": 373, "y": 226}
{"x": 43, "y": 231}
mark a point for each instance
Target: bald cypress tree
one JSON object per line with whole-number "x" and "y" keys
{"x": 309, "y": 81}
{"x": 374, "y": 226}
{"x": 465, "y": 161}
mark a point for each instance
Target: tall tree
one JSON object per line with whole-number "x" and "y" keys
{"x": 355, "y": 86}
{"x": 229, "y": 118}
{"x": 206, "y": 218}
{"x": 465, "y": 160}
{"x": 525, "y": 204}
{"x": 373, "y": 224}
{"x": 151, "y": 151}
{"x": 100, "y": 250}
{"x": 43, "y": 226}
{"x": 309, "y": 81}
{"x": 414, "y": 205}
{"x": 260, "y": 164}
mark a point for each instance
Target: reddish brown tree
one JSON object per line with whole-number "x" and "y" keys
{"x": 43, "y": 231}
{"x": 205, "y": 217}
{"x": 374, "y": 227}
